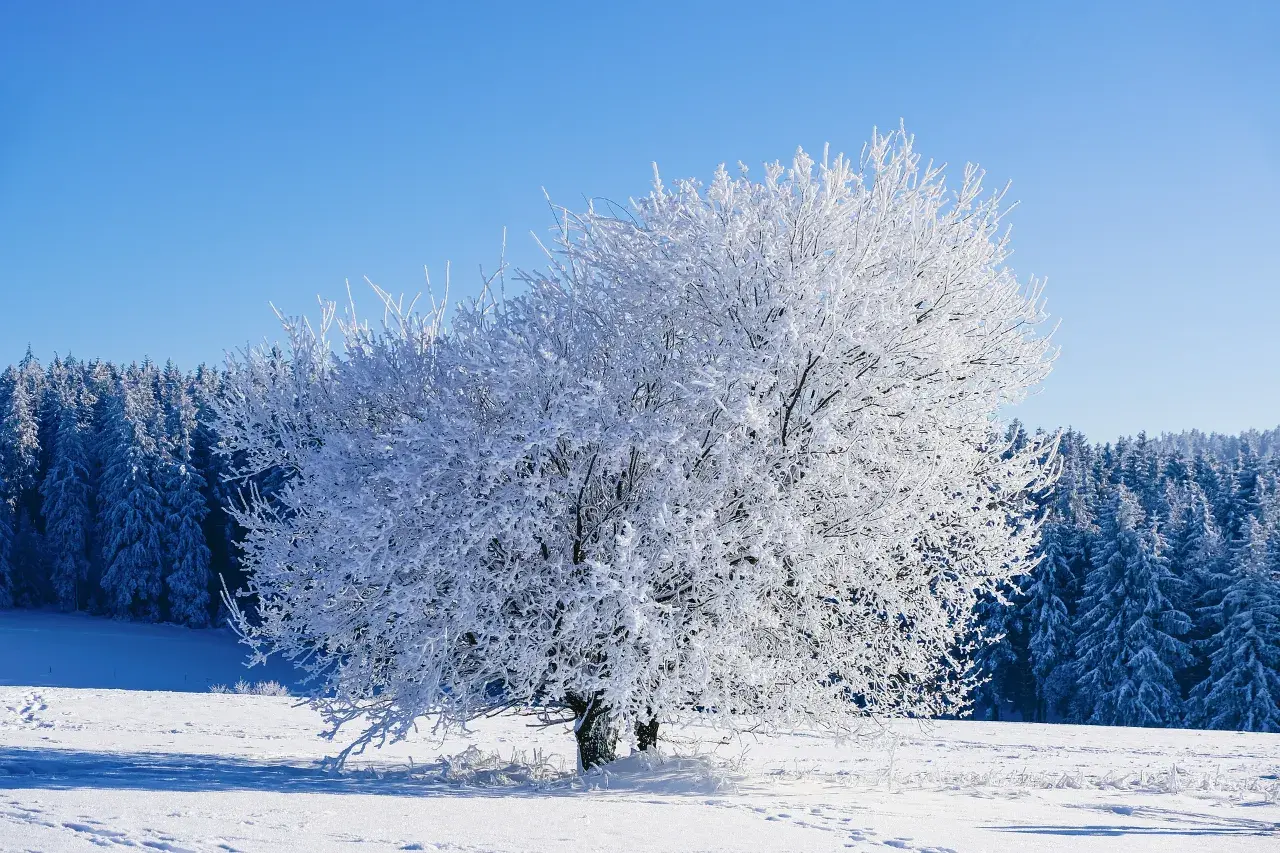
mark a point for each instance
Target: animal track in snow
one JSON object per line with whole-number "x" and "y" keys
{"x": 833, "y": 819}
{"x": 105, "y": 837}
{"x": 25, "y": 713}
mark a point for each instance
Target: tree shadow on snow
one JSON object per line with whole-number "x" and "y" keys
{"x": 64, "y": 769}
{"x": 1179, "y": 823}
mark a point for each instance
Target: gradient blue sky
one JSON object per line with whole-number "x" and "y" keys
{"x": 167, "y": 169}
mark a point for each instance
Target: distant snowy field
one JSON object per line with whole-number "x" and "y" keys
{"x": 86, "y": 768}
{"x": 74, "y": 650}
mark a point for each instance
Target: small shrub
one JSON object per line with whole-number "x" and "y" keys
{"x": 269, "y": 688}
{"x": 246, "y": 688}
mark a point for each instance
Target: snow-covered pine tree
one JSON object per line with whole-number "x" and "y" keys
{"x": 1140, "y": 472}
{"x": 102, "y": 387}
{"x": 1055, "y": 581}
{"x": 19, "y": 435}
{"x": 1198, "y": 558}
{"x": 56, "y": 386}
{"x": 220, "y": 530}
{"x": 1129, "y": 634}
{"x": 1246, "y": 498}
{"x": 1051, "y": 641}
{"x": 1207, "y": 473}
{"x": 1242, "y": 689}
{"x": 19, "y": 428}
{"x": 1114, "y": 459}
{"x": 186, "y": 572}
{"x": 131, "y": 512}
{"x": 68, "y": 510}
{"x": 1177, "y": 470}
{"x": 6, "y": 551}
{"x": 21, "y": 389}
{"x": 733, "y": 452}
{"x": 187, "y": 564}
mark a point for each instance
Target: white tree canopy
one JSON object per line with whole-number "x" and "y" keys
{"x": 735, "y": 451}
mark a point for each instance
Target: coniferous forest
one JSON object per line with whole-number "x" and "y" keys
{"x": 1155, "y": 602}
{"x": 112, "y": 494}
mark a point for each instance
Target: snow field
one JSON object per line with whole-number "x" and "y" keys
{"x": 76, "y": 650}
{"x": 84, "y": 769}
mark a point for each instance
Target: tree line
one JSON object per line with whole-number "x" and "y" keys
{"x": 1156, "y": 600}
{"x": 111, "y": 492}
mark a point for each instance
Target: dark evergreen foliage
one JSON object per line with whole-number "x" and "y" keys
{"x": 111, "y": 492}
{"x": 1156, "y": 600}
{"x": 1129, "y": 636}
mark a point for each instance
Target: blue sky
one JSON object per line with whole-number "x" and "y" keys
{"x": 167, "y": 169}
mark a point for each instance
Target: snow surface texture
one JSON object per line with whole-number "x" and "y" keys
{"x": 82, "y": 769}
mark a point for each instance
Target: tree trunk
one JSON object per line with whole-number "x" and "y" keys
{"x": 647, "y": 734}
{"x": 594, "y": 729}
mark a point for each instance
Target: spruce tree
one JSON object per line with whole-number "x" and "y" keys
{"x": 6, "y": 551}
{"x": 1245, "y": 501}
{"x": 19, "y": 430}
{"x": 187, "y": 556}
{"x": 1198, "y": 560}
{"x": 1128, "y": 632}
{"x": 1212, "y": 482}
{"x": 186, "y": 570}
{"x": 67, "y": 511}
{"x": 1140, "y": 471}
{"x": 1242, "y": 689}
{"x": 20, "y": 393}
{"x": 102, "y": 390}
{"x": 1056, "y": 580}
{"x": 131, "y": 513}
{"x": 1051, "y": 639}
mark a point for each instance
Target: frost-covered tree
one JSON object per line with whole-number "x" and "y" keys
{"x": 19, "y": 427}
{"x": 999, "y": 667}
{"x": 1055, "y": 582}
{"x": 20, "y": 471}
{"x": 186, "y": 576}
{"x": 132, "y": 517}
{"x": 1246, "y": 499}
{"x": 1198, "y": 558}
{"x": 1242, "y": 688}
{"x": 1050, "y": 645}
{"x": 1140, "y": 472}
{"x": 733, "y": 452}
{"x": 186, "y": 563}
{"x": 1129, "y": 634}
{"x": 6, "y": 551}
{"x": 68, "y": 510}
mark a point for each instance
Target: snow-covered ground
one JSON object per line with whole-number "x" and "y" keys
{"x": 38, "y": 648}
{"x": 88, "y": 768}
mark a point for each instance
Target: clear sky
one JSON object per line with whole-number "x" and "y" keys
{"x": 167, "y": 169}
